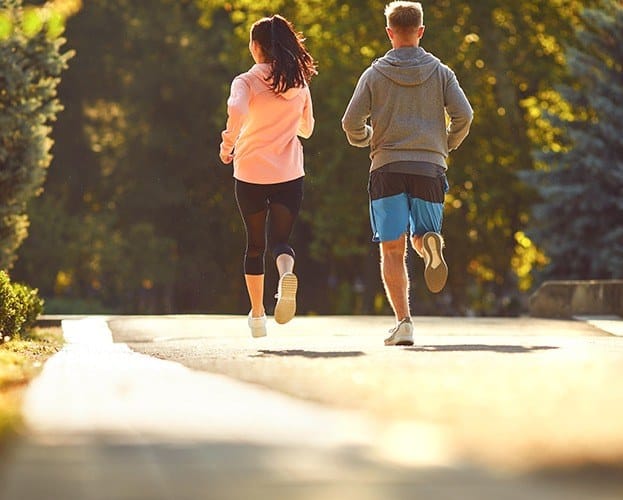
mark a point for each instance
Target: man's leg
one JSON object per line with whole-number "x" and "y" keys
{"x": 416, "y": 244}
{"x": 394, "y": 274}
{"x": 396, "y": 281}
{"x": 389, "y": 218}
{"x": 426, "y": 207}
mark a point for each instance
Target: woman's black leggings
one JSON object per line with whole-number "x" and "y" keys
{"x": 275, "y": 206}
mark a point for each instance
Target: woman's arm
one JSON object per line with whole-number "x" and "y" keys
{"x": 237, "y": 109}
{"x": 306, "y": 125}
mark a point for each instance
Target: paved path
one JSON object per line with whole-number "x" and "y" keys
{"x": 477, "y": 408}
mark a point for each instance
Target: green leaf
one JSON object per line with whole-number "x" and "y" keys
{"x": 6, "y": 26}
{"x": 32, "y": 22}
{"x": 56, "y": 25}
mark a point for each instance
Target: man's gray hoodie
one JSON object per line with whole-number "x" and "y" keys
{"x": 406, "y": 95}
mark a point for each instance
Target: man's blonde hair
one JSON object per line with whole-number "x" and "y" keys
{"x": 404, "y": 17}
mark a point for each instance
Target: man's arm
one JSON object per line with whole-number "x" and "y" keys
{"x": 460, "y": 112}
{"x": 354, "y": 121}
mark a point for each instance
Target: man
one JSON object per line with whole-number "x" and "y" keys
{"x": 407, "y": 95}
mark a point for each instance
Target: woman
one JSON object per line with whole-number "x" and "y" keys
{"x": 268, "y": 107}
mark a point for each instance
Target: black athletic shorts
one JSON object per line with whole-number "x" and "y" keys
{"x": 254, "y": 198}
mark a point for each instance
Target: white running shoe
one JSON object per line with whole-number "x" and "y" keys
{"x": 286, "y": 298}
{"x": 435, "y": 267}
{"x": 401, "y": 334}
{"x": 257, "y": 325}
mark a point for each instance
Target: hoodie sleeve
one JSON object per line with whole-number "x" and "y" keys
{"x": 460, "y": 112}
{"x": 237, "y": 109}
{"x": 354, "y": 121}
{"x": 306, "y": 125}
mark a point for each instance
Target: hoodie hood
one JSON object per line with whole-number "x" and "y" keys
{"x": 407, "y": 66}
{"x": 262, "y": 73}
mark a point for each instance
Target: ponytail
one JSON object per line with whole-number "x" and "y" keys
{"x": 292, "y": 65}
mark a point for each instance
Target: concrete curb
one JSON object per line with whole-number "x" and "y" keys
{"x": 568, "y": 299}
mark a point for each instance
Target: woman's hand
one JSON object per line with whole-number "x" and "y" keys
{"x": 226, "y": 158}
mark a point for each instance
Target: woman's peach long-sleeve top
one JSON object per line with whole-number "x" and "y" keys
{"x": 262, "y": 128}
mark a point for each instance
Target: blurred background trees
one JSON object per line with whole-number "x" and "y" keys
{"x": 31, "y": 63}
{"x": 579, "y": 175}
{"x": 138, "y": 213}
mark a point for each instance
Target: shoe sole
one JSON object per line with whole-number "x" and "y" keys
{"x": 403, "y": 341}
{"x": 401, "y": 337}
{"x": 286, "y": 301}
{"x": 435, "y": 277}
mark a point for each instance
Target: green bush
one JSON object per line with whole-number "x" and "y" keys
{"x": 31, "y": 303}
{"x": 20, "y": 306}
{"x": 9, "y": 308}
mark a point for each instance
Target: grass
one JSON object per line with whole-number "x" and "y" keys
{"x": 20, "y": 361}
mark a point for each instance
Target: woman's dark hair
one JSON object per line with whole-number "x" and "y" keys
{"x": 292, "y": 64}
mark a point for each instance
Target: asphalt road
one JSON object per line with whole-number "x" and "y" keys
{"x": 518, "y": 393}
{"x": 477, "y": 408}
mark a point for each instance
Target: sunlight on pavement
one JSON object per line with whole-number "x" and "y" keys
{"x": 610, "y": 324}
{"x": 95, "y": 387}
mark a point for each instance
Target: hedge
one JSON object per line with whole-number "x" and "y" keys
{"x": 20, "y": 306}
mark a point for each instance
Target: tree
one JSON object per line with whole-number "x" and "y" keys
{"x": 503, "y": 53}
{"x": 137, "y": 192}
{"x": 137, "y": 203}
{"x": 31, "y": 63}
{"x": 578, "y": 221}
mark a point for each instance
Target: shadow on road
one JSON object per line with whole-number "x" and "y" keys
{"x": 508, "y": 349}
{"x": 308, "y": 354}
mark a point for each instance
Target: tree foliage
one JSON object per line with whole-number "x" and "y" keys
{"x": 139, "y": 213}
{"x": 31, "y": 63}
{"x": 134, "y": 200}
{"x": 578, "y": 221}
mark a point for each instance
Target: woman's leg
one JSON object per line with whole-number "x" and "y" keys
{"x": 252, "y": 204}
{"x": 254, "y": 260}
{"x": 285, "y": 264}
{"x": 281, "y": 223}
{"x": 284, "y": 207}
{"x": 255, "y": 289}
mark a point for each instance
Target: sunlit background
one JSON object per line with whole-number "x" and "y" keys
{"x": 137, "y": 213}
